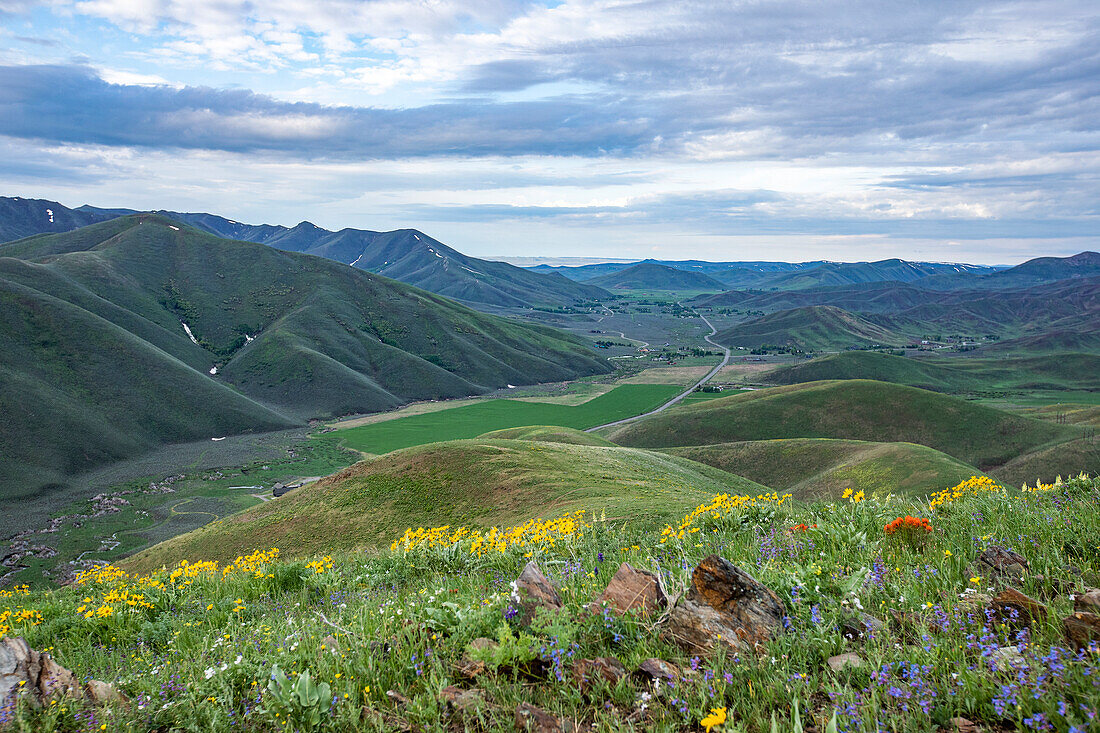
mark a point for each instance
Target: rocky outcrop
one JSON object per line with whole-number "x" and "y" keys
{"x": 36, "y": 677}
{"x": 1082, "y": 629}
{"x": 532, "y": 591}
{"x": 632, "y": 590}
{"x": 725, "y": 606}
{"x": 1000, "y": 566}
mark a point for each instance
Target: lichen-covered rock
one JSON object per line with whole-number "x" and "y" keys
{"x": 589, "y": 672}
{"x": 1081, "y": 629}
{"x": 36, "y": 677}
{"x": 1012, "y": 607}
{"x": 725, "y": 606}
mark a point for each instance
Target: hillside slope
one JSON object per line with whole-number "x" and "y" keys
{"x": 816, "y": 468}
{"x": 853, "y": 410}
{"x": 404, "y": 254}
{"x": 478, "y": 482}
{"x": 849, "y": 273}
{"x": 813, "y": 328}
{"x": 269, "y": 336}
{"x": 651, "y": 276}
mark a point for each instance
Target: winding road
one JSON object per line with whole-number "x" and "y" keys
{"x": 710, "y": 375}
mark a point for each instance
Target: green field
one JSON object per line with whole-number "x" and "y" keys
{"x": 473, "y": 420}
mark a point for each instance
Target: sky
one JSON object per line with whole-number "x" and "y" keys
{"x": 753, "y": 129}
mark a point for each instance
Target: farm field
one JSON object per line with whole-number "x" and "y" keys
{"x": 473, "y": 420}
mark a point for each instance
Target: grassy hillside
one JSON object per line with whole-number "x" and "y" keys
{"x": 816, "y": 468}
{"x": 651, "y": 276}
{"x": 957, "y": 374}
{"x": 94, "y": 327}
{"x": 848, "y": 273}
{"x": 471, "y": 482}
{"x": 548, "y": 434}
{"x": 854, "y": 410}
{"x": 814, "y": 328}
{"x": 470, "y": 421}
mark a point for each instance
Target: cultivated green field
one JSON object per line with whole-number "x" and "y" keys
{"x": 473, "y": 420}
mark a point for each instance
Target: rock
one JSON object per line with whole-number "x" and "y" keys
{"x": 55, "y": 682}
{"x": 481, "y": 643}
{"x": 102, "y": 693}
{"x": 632, "y": 590}
{"x": 1081, "y": 629}
{"x": 19, "y": 670}
{"x": 659, "y": 669}
{"x": 1000, "y": 566}
{"x": 862, "y": 627}
{"x": 1007, "y": 659}
{"x": 724, "y": 606}
{"x": 397, "y": 697}
{"x": 461, "y": 699}
{"x": 961, "y": 725}
{"x": 537, "y": 720}
{"x": 1012, "y": 607}
{"x": 470, "y": 668}
{"x": 533, "y": 591}
{"x": 840, "y": 661}
{"x": 1088, "y": 601}
{"x": 975, "y": 602}
{"x": 589, "y": 672}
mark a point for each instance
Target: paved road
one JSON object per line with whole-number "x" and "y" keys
{"x": 689, "y": 390}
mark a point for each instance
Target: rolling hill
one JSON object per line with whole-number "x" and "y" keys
{"x": 817, "y": 468}
{"x": 849, "y": 273}
{"x": 853, "y": 410}
{"x": 813, "y": 328}
{"x": 651, "y": 276}
{"x": 1038, "y": 271}
{"x": 548, "y": 434}
{"x": 407, "y": 255}
{"x": 477, "y": 482}
{"x": 1066, "y": 371}
{"x": 138, "y": 331}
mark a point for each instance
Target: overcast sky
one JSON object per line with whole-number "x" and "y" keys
{"x": 841, "y": 130}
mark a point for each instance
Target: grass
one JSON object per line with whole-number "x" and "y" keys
{"x": 819, "y": 468}
{"x": 472, "y": 420}
{"x": 549, "y": 434}
{"x": 855, "y": 410}
{"x": 470, "y": 482}
{"x": 812, "y": 328}
{"x": 198, "y": 650}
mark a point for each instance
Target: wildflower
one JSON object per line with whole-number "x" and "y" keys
{"x": 717, "y": 717}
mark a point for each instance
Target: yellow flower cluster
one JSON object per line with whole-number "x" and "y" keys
{"x": 19, "y": 590}
{"x": 971, "y": 487}
{"x": 533, "y": 534}
{"x": 1040, "y": 486}
{"x": 320, "y": 566}
{"x": 722, "y": 505}
{"x": 854, "y": 498}
{"x": 21, "y": 616}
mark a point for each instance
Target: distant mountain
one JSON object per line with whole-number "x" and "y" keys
{"x": 1039, "y": 271}
{"x": 875, "y": 297}
{"x": 850, "y": 273}
{"x": 813, "y": 328}
{"x": 407, "y": 255}
{"x": 140, "y": 331}
{"x": 583, "y": 273}
{"x": 651, "y": 276}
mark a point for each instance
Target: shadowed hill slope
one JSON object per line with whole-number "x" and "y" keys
{"x": 140, "y": 319}
{"x": 813, "y": 468}
{"x": 854, "y": 410}
{"x": 478, "y": 482}
{"x": 813, "y": 328}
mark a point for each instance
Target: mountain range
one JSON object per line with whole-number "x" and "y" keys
{"x": 139, "y": 331}
{"x": 407, "y": 255}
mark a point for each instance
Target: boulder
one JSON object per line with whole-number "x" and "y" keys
{"x": 1007, "y": 659}
{"x": 840, "y": 661}
{"x": 1082, "y": 629}
{"x": 462, "y": 700}
{"x": 961, "y": 725}
{"x": 632, "y": 590}
{"x": 1000, "y": 566}
{"x": 659, "y": 669}
{"x": 1012, "y": 607}
{"x": 587, "y": 673}
{"x": 725, "y": 606}
{"x": 1088, "y": 601}
{"x": 532, "y": 591}
{"x": 37, "y": 677}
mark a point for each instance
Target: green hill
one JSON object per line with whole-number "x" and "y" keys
{"x": 479, "y": 482}
{"x": 953, "y": 374}
{"x": 137, "y": 331}
{"x": 651, "y": 276}
{"x": 855, "y": 410}
{"x": 548, "y": 434}
{"x": 813, "y": 328}
{"x": 849, "y": 273}
{"x": 812, "y": 468}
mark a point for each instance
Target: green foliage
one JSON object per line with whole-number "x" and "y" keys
{"x": 302, "y": 702}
